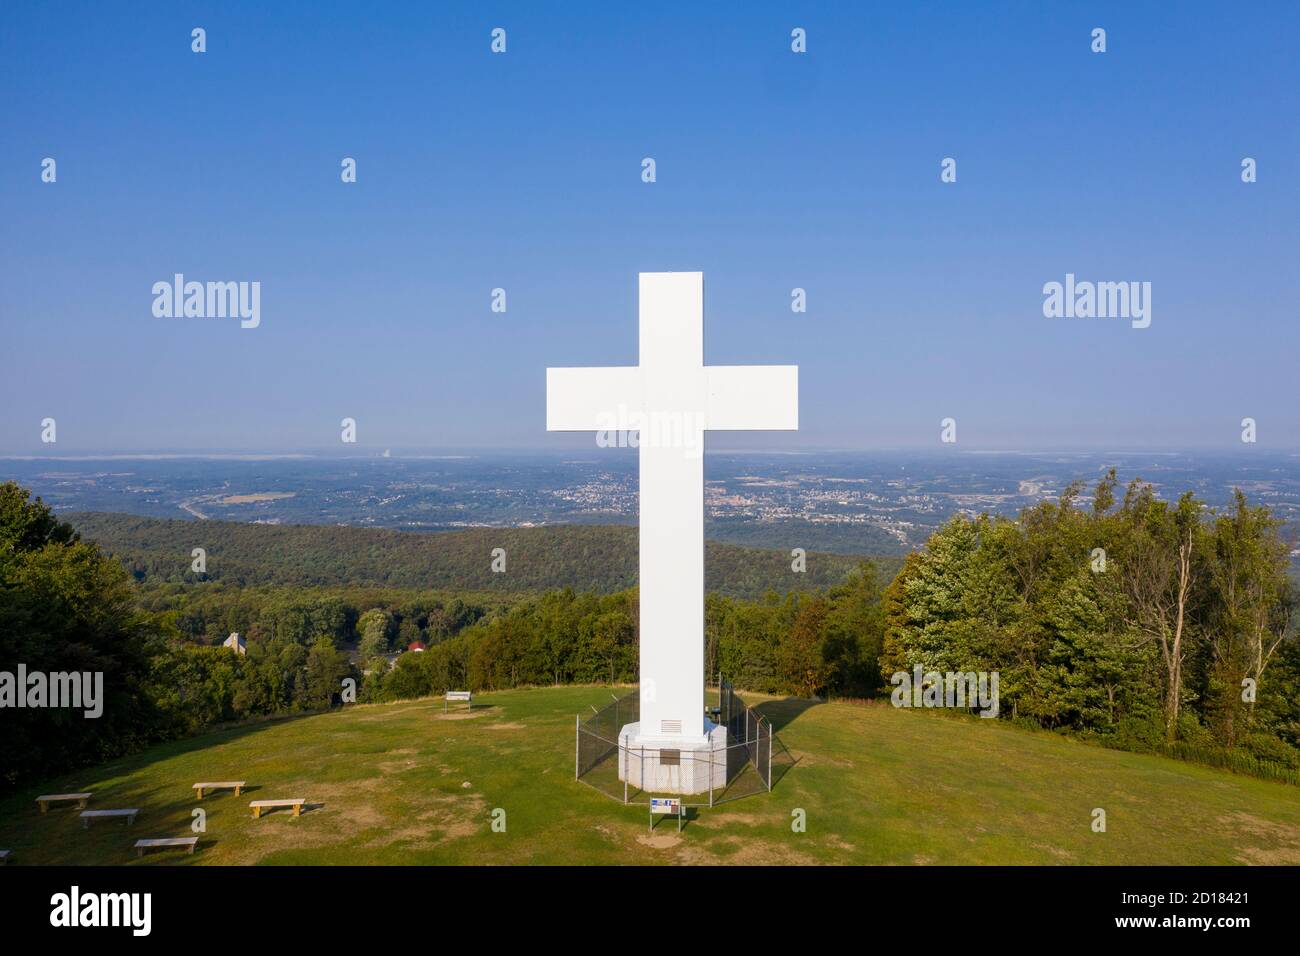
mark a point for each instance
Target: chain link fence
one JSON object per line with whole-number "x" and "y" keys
{"x": 757, "y": 758}
{"x": 751, "y": 763}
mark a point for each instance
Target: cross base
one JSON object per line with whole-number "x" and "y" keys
{"x": 659, "y": 764}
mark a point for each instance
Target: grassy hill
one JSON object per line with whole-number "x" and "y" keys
{"x": 585, "y": 557}
{"x": 403, "y": 784}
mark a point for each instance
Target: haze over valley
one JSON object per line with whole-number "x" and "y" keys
{"x": 884, "y": 503}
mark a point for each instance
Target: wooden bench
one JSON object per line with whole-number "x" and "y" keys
{"x": 462, "y": 696}
{"x": 238, "y": 786}
{"x": 81, "y": 798}
{"x": 88, "y": 815}
{"x": 260, "y": 805}
{"x": 142, "y": 845}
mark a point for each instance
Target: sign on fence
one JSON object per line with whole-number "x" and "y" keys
{"x": 666, "y": 805}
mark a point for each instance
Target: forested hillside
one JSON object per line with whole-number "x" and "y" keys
{"x": 1151, "y": 623}
{"x": 600, "y": 558}
{"x": 1142, "y": 623}
{"x": 71, "y": 607}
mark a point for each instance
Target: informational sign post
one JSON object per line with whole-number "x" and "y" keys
{"x": 665, "y": 805}
{"x": 458, "y": 696}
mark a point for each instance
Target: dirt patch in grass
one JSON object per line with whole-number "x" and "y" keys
{"x": 353, "y": 802}
{"x": 660, "y": 841}
{"x": 404, "y": 759}
{"x": 747, "y": 852}
{"x": 338, "y": 811}
{"x": 805, "y": 759}
{"x": 369, "y": 712}
{"x": 1278, "y": 856}
{"x": 1059, "y": 853}
{"x": 457, "y": 715}
{"x": 448, "y": 818}
{"x": 1281, "y": 842}
{"x": 743, "y": 819}
{"x": 507, "y": 726}
{"x": 351, "y": 809}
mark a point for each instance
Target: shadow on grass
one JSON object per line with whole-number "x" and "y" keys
{"x": 172, "y": 855}
{"x": 689, "y": 816}
{"x": 154, "y": 804}
{"x": 461, "y": 713}
{"x": 782, "y": 713}
{"x": 60, "y": 838}
{"x": 780, "y": 769}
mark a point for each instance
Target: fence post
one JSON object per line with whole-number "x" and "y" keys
{"x": 623, "y": 754}
{"x": 577, "y": 743}
{"x": 769, "y": 758}
{"x": 710, "y": 773}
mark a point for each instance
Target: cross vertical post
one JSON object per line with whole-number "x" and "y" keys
{"x": 669, "y": 400}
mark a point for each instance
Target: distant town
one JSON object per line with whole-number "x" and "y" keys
{"x": 868, "y": 503}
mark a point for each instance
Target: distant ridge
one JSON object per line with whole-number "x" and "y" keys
{"x": 599, "y": 558}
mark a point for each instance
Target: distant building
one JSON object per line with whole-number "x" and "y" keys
{"x": 235, "y": 643}
{"x": 415, "y": 646}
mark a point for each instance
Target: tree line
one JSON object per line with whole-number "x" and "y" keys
{"x": 587, "y": 557}
{"x": 1151, "y": 624}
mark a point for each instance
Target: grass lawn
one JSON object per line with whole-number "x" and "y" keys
{"x": 402, "y": 783}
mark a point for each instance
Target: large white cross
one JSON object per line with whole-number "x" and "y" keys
{"x": 672, "y": 397}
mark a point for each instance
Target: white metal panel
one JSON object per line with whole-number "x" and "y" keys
{"x": 750, "y": 397}
{"x": 583, "y": 399}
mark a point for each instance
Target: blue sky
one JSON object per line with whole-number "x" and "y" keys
{"x": 522, "y": 171}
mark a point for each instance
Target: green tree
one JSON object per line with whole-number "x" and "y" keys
{"x": 375, "y": 627}
{"x": 803, "y": 653}
{"x": 1162, "y": 563}
{"x": 66, "y": 608}
{"x": 325, "y": 670}
{"x": 1251, "y": 614}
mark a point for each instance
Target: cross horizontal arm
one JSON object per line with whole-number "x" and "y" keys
{"x": 751, "y": 397}
{"x": 586, "y": 399}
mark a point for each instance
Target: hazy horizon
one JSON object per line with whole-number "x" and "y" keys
{"x": 853, "y": 502}
{"x": 378, "y": 452}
